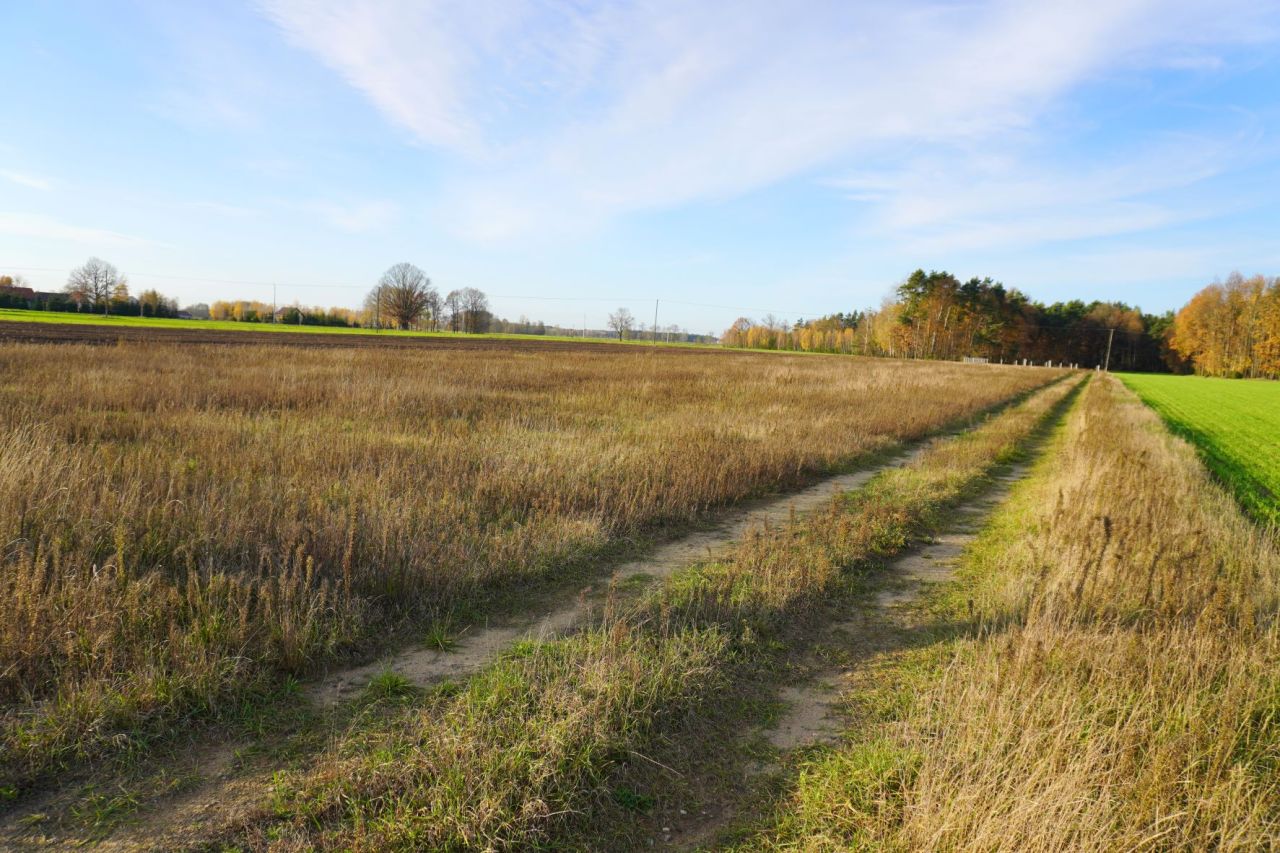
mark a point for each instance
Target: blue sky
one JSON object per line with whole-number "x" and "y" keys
{"x": 726, "y": 158}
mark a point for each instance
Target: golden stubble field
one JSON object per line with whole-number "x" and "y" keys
{"x": 184, "y": 525}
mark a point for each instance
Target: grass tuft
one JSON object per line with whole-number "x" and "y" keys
{"x": 389, "y": 685}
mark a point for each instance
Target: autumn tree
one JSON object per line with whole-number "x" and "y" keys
{"x": 1268, "y": 346}
{"x": 936, "y": 315}
{"x": 1231, "y": 328}
{"x": 736, "y": 334}
{"x": 151, "y": 303}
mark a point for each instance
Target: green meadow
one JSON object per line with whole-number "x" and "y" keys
{"x": 18, "y": 315}
{"x": 1235, "y": 423}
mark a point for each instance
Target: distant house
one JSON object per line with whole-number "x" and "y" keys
{"x": 17, "y": 292}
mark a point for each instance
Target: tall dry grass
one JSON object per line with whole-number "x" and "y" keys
{"x": 183, "y": 524}
{"x": 1124, "y": 693}
{"x": 510, "y": 757}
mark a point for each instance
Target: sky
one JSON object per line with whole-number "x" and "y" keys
{"x": 569, "y": 158}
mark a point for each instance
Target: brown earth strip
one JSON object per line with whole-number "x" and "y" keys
{"x": 70, "y": 333}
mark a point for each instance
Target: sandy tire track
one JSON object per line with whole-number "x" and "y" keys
{"x": 478, "y": 645}
{"x": 813, "y": 714}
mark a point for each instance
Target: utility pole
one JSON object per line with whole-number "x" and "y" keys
{"x": 584, "y": 327}
{"x": 1111, "y": 337}
{"x": 655, "y": 322}
{"x": 274, "y": 305}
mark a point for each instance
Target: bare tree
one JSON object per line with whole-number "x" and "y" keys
{"x": 95, "y": 283}
{"x": 434, "y": 308}
{"x": 622, "y": 321}
{"x": 452, "y": 309}
{"x": 474, "y": 306}
{"x": 404, "y": 294}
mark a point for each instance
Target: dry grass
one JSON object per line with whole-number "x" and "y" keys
{"x": 503, "y": 761}
{"x": 774, "y": 576}
{"x": 1123, "y": 692}
{"x": 500, "y": 762}
{"x": 183, "y": 525}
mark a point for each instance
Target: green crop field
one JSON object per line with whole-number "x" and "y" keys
{"x": 1236, "y": 425}
{"x": 18, "y": 315}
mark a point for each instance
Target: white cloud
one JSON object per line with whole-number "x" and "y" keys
{"x": 964, "y": 201}
{"x": 26, "y": 179}
{"x": 564, "y": 115}
{"x": 45, "y": 227}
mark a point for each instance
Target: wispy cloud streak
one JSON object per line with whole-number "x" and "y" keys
{"x": 562, "y": 115}
{"x": 25, "y": 179}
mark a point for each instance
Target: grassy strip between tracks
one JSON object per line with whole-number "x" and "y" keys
{"x": 1119, "y": 689}
{"x": 520, "y": 752}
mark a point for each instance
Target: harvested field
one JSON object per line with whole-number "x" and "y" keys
{"x": 190, "y": 526}
{"x": 500, "y": 598}
{"x": 515, "y": 757}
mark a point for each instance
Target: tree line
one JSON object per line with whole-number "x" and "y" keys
{"x": 1232, "y": 328}
{"x": 934, "y": 315}
{"x": 403, "y": 298}
{"x": 1229, "y": 328}
{"x": 95, "y": 286}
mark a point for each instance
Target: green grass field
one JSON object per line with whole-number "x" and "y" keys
{"x": 1235, "y": 423}
{"x": 87, "y": 319}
